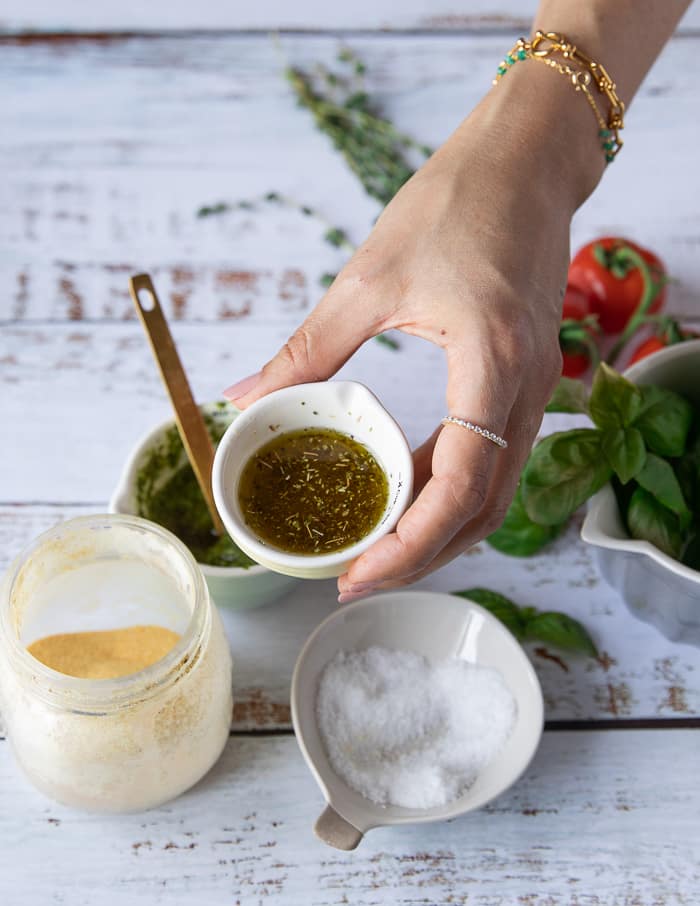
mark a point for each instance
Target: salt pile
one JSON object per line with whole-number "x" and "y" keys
{"x": 402, "y": 730}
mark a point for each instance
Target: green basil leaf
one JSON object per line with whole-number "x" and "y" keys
{"x": 562, "y": 631}
{"x": 519, "y": 536}
{"x": 569, "y": 396}
{"x": 688, "y": 472}
{"x": 615, "y": 402}
{"x": 501, "y": 607}
{"x": 649, "y": 520}
{"x": 625, "y": 451}
{"x": 664, "y": 419}
{"x": 691, "y": 555}
{"x": 659, "y": 479}
{"x": 563, "y": 471}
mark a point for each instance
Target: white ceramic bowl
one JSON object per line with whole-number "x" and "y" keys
{"x": 344, "y": 406}
{"x": 655, "y": 587}
{"x": 232, "y": 587}
{"x": 438, "y": 626}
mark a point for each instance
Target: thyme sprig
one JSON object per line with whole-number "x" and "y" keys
{"x": 374, "y": 149}
{"x": 332, "y": 234}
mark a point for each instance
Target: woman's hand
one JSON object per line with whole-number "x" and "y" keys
{"x": 471, "y": 255}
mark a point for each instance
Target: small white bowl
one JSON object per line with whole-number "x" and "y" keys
{"x": 233, "y": 587}
{"x": 656, "y": 588}
{"x": 438, "y": 626}
{"x": 344, "y": 406}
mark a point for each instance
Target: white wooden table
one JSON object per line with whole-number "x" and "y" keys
{"x": 111, "y": 138}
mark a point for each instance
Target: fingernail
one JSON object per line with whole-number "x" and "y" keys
{"x": 361, "y": 590}
{"x": 347, "y": 596}
{"x": 236, "y": 391}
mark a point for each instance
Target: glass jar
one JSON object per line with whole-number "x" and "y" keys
{"x": 124, "y": 744}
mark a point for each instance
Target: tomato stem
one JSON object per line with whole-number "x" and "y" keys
{"x": 626, "y": 255}
{"x": 575, "y": 337}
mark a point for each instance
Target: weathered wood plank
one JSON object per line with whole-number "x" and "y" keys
{"x": 597, "y": 820}
{"x": 72, "y": 15}
{"x": 639, "y": 674}
{"x": 76, "y": 398}
{"x": 110, "y": 148}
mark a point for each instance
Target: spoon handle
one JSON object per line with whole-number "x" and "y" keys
{"x": 190, "y": 423}
{"x": 334, "y": 830}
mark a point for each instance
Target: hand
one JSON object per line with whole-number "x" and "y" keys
{"x": 471, "y": 255}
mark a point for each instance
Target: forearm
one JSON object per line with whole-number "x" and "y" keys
{"x": 625, "y": 36}
{"x": 540, "y": 130}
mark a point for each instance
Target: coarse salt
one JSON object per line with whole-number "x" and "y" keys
{"x": 402, "y": 730}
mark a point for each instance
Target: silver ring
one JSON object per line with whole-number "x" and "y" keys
{"x": 477, "y": 429}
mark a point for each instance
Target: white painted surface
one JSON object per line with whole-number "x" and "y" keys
{"x": 108, "y": 148}
{"x": 640, "y": 675}
{"x": 599, "y": 819}
{"x": 159, "y": 15}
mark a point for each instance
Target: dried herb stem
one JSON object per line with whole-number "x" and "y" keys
{"x": 371, "y": 145}
{"x": 333, "y": 234}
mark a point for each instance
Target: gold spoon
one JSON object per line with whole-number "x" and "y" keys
{"x": 190, "y": 424}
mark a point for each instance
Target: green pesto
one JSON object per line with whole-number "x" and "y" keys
{"x": 313, "y": 491}
{"x": 177, "y": 503}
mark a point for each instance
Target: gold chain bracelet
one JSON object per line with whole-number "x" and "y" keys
{"x": 544, "y": 47}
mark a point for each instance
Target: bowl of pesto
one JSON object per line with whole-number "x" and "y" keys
{"x": 158, "y": 483}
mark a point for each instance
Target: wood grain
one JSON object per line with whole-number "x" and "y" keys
{"x": 639, "y": 674}
{"x": 74, "y": 15}
{"x": 109, "y": 149}
{"x": 599, "y": 819}
{"x": 110, "y": 144}
{"x": 76, "y": 398}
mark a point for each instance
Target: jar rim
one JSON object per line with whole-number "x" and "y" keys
{"x": 98, "y": 696}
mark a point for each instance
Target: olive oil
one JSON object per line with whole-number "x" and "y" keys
{"x": 313, "y": 491}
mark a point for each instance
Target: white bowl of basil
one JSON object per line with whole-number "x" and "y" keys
{"x": 658, "y": 572}
{"x": 158, "y": 483}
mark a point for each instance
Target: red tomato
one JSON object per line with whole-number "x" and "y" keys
{"x": 575, "y": 339}
{"x": 615, "y": 287}
{"x": 655, "y": 343}
{"x": 574, "y": 364}
{"x": 645, "y": 348}
{"x": 576, "y": 305}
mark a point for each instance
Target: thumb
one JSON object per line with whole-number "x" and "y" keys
{"x": 314, "y": 352}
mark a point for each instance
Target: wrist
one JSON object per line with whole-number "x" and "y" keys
{"x": 540, "y": 124}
